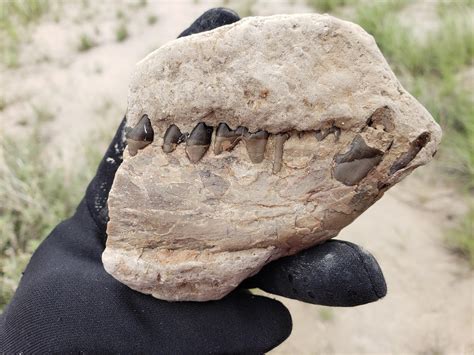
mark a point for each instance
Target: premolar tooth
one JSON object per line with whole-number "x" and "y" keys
{"x": 139, "y": 136}
{"x": 255, "y": 144}
{"x": 280, "y": 140}
{"x": 337, "y": 133}
{"x": 172, "y": 138}
{"x": 321, "y": 134}
{"x": 198, "y": 142}
{"x": 226, "y": 139}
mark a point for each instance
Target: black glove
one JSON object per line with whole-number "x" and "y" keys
{"x": 66, "y": 302}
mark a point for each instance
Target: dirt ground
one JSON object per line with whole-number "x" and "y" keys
{"x": 429, "y": 308}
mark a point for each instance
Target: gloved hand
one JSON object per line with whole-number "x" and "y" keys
{"x": 66, "y": 302}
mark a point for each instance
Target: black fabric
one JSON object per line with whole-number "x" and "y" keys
{"x": 67, "y": 303}
{"x": 343, "y": 274}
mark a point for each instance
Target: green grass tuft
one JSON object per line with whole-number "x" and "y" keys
{"x": 16, "y": 18}
{"x": 326, "y": 314}
{"x": 329, "y": 5}
{"x": 461, "y": 239}
{"x": 152, "y": 19}
{"x": 121, "y": 34}
{"x": 85, "y": 43}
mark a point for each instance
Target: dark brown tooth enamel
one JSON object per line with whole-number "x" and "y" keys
{"x": 256, "y": 144}
{"x": 324, "y": 132}
{"x": 354, "y": 165}
{"x": 226, "y": 138}
{"x": 198, "y": 142}
{"x": 172, "y": 138}
{"x": 321, "y": 134}
{"x": 280, "y": 140}
{"x": 139, "y": 136}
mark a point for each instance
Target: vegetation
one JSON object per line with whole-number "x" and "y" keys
{"x": 326, "y": 314}
{"x": 15, "y": 20}
{"x": 461, "y": 240}
{"x": 121, "y": 34}
{"x": 32, "y": 186}
{"x": 152, "y": 19}
{"x": 329, "y": 5}
{"x": 85, "y": 43}
{"x": 432, "y": 70}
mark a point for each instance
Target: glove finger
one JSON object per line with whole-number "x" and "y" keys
{"x": 210, "y": 20}
{"x": 336, "y": 273}
{"x": 239, "y": 323}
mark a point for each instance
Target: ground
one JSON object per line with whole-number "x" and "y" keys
{"x": 73, "y": 75}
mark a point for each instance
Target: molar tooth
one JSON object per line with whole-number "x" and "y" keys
{"x": 226, "y": 139}
{"x": 337, "y": 133}
{"x": 321, "y": 134}
{"x": 255, "y": 144}
{"x": 280, "y": 140}
{"x": 139, "y": 136}
{"x": 172, "y": 138}
{"x": 354, "y": 165}
{"x": 242, "y": 131}
{"x": 198, "y": 142}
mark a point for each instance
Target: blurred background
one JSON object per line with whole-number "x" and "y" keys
{"x": 65, "y": 67}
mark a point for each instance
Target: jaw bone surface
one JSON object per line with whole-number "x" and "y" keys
{"x": 303, "y": 141}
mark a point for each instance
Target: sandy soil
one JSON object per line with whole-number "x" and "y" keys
{"x": 430, "y": 306}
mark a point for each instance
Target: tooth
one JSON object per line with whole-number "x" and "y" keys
{"x": 337, "y": 133}
{"x": 321, "y": 134}
{"x": 255, "y": 144}
{"x": 226, "y": 139}
{"x": 198, "y": 142}
{"x": 280, "y": 140}
{"x": 140, "y": 136}
{"x": 172, "y": 138}
{"x": 354, "y": 165}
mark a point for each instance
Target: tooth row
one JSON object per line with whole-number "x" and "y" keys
{"x": 199, "y": 140}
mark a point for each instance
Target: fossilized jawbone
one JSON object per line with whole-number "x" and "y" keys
{"x": 251, "y": 142}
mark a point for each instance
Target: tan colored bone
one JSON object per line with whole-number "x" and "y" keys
{"x": 193, "y": 230}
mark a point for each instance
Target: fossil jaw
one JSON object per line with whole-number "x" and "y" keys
{"x": 287, "y": 147}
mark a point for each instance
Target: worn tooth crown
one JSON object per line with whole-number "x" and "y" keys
{"x": 354, "y": 165}
{"x": 226, "y": 138}
{"x": 280, "y": 140}
{"x": 172, "y": 138}
{"x": 198, "y": 142}
{"x": 140, "y": 136}
{"x": 256, "y": 144}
